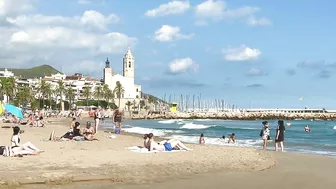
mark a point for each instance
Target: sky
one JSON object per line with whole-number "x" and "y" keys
{"x": 251, "y": 53}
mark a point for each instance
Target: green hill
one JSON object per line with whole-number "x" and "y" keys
{"x": 35, "y": 72}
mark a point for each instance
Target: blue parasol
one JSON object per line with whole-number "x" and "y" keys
{"x": 14, "y": 110}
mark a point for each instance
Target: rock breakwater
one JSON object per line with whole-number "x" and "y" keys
{"x": 237, "y": 116}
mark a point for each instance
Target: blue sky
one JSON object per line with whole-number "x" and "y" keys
{"x": 255, "y": 53}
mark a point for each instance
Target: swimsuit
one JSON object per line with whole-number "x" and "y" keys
{"x": 168, "y": 146}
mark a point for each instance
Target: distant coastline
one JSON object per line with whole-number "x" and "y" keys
{"x": 237, "y": 116}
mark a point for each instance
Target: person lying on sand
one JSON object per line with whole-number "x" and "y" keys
{"x": 166, "y": 146}
{"x": 24, "y": 149}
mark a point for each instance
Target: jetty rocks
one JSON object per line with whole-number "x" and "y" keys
{"x": 236, "y": 116}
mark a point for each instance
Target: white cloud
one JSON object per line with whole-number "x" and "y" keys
{"x": 170, "y": 33}
{"x": 255, "y": 72}
{"x": 170, "y": 8}
{"x": 89, "y": 20}
{"x": 12, "y": 7}
{"x": 84, "y": 2}
{"x": 253, "y": 21}
{"x": 216, "y": 10}
{"x": 182, "y": 65}
{"x": 241, "y": 53}
{"x": 28, "y": 40}
{"x": 210, "y": 9}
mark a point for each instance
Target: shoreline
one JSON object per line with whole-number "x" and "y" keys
{"x": 237, "y": 116}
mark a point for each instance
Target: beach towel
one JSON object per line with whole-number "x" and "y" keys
{"x": 145, "y": 150}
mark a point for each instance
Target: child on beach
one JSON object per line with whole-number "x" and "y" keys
{"x": 265, "y": 133}
{"x": 232, "y": 138}
{"x": 117, "y": 118}
{"x": 201, "y": 139}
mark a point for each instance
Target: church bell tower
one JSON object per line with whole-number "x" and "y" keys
{"x": 107, "y": 73}
{"x": 128, "y": 67}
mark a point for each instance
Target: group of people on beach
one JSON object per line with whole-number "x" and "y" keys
{"x": 231, "y": 139}
{"x": 164, "y": 145}
{"x": 265, "y": 134}
{"x": 117, "y": 117}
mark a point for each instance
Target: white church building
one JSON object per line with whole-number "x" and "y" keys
{"x": 131, "y": 90}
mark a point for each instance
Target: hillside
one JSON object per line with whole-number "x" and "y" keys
{"x": 35, "y": 72}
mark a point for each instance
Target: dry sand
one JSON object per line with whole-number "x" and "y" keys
{"x": 68, "y": 161}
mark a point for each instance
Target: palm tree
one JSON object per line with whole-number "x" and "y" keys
{"x": 134, "y": 105}
{"x": 142, "y": 104}
{"x": 108, "y": 95}
{"x": 44, "y": 91}
{"x": 87, "y": 94}
{"x": 2, "y": 88}
{"x": 70, "y": 95}
{"x": 98, "y": 93}
{"x": 7, "y": 87}
{"x": 151, "y": 101}
{"x": 119, "y": 91}
{"x": 60, "y": 91}
{"x": 24, "y": 96}
{"x": 128, "y": 104}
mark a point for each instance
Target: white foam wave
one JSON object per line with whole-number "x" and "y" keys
{"x": 244, "y": 128}
{"x": 194, "y": 126}
{"x": 218, "y": 141}
{"x": 156, "y": 132}
{"x": 171, "y": 121}
{"x": 325, "y": 153}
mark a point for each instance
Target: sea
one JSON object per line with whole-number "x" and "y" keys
{"x": 321, "y": 140}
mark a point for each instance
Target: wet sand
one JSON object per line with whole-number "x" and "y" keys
{"x": 292, "y": 171}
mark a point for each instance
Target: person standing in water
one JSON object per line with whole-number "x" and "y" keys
{"x": 307, "y": 129}
{"x": 280, "y": 135}
{"x": 201, "y": 140}
{"x": 265, "y": 135}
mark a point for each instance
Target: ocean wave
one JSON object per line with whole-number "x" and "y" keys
{"x": 156, "y": 132}
{"x": 194, "y": 126}
{"x": 218, "y": 141}
{"x": 242, "y": 128}
{"x": 171, "y": 121}
{"x": 325, "y": 153}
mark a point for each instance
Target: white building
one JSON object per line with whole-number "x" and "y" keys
{"x": 77, "y": 82}
{"x": 6, "y": 73}
{"x": 131, "y": 90}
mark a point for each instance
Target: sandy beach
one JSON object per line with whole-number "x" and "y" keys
{"x": 108, "y": 163}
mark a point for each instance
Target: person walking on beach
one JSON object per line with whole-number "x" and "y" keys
{"x": 201, "y": 140}
{"x": 96, "y": 119}
{"x": 280, "y": 135}
{"x": 265, "y": 135}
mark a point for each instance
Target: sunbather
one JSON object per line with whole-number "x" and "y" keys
{"x": 22, "y": 149}
{"x": 89, "y": 132}
{"x": 166, "y": 146}
{"x": 74, "y": 132}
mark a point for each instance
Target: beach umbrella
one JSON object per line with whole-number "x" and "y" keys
{"x": 14, "y": 110}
